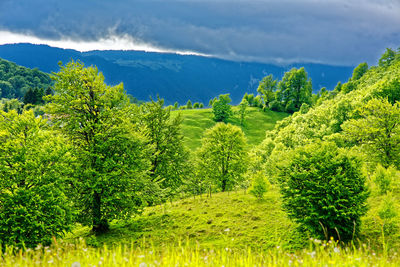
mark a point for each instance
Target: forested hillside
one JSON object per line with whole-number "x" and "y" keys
{"x": 16, "y": 80}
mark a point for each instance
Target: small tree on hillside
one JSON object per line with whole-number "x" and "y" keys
{"x": 242, "y": 110}
{"x": 294, "y": 89}
{"x": 169, "y": 156}
{"x": 222, "y": 156}
{"x": 267, "y": 88}
{"x": 324, "y": 191}
{"x": 259, "y": 185}
{"x": 189, "y": 104}
{"x": 221, "y": 108}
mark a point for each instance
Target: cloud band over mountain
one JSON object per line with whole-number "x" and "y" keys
{"x": 332, "y": 32}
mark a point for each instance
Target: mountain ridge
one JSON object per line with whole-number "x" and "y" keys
{"x": 171, "y": 76}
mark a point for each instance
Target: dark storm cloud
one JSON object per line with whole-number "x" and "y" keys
{"x": 335, "y": 32}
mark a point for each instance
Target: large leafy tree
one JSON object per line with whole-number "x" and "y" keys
{"x": 33, "y": 166}
{"x": 110, "y": 155}
{"x": 324, "y": 191}
{"x": 169, "y": 156}
{"x": 267, "y": 88}
{"x": 222, "y": 157}
{"x": 377, "y": 129}
{"x": 294, "y": 89}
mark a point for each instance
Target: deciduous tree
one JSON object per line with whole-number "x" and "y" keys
{"x": 111, "y": 162}
{"x": 222, "y": 156}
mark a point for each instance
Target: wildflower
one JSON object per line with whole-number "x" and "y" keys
{"x": 76, "y": 264}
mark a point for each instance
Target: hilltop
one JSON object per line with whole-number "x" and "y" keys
{"x": 257, "y": 122}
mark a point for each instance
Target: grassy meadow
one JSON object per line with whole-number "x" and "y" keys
{"x": 195, "y": 121}
{"x": 226, "y": 229}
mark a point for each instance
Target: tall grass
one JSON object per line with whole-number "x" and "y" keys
{"x": 318, "y": 254}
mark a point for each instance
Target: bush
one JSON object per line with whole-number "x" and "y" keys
{"x": 275, "y": 105}
{"x": 29, "y": 217}
{"x": 259, "y": 186}
{"x": 383, "y": 178}
{"x": 324, "y": 191}
{"x": 34, "y": 163}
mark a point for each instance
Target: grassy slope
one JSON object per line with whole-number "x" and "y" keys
{"x": 232, "y": 219}
{"x": 195, "y": 121}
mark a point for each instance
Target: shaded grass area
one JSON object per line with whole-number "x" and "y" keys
{"x": 257, "y": 122}
{"x": 231, "y": 219}
{"x": 235, "y": 220}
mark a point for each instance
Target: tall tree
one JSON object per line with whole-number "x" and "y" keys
{"x": 294, "y": 89}
{"x": 110, "y": 155}
{"x": 222, "y": 156}
{"x": 267, "y": 88}
{"x": 169, "y": 156}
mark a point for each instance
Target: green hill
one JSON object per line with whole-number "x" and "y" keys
{"x": 257, "y": 122}
{"x": 16, "y": 80}
{"x": 233, "y": 219}
{"x": 230, "y": 219}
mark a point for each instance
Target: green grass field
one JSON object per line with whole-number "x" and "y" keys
{"x": 257, "y": 122}
{"x": 228, "y": 229}
{"x": 234, "y": 220}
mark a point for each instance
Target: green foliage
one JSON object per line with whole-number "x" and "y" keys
{"x": 189, "y": 104}
{"x": 294, "y": 89}
{"x": 201, "y": 105}
{"x": 267, "y": 88}
{"x": 222, "y": 156}
{"x": 16, "y": 80}
{"x": 359, "y": 71}
{"x": 111, "y": 156}
{"x": 34, "y": 96}
{"x": 324, "y": 191}
{"x": 168, "y": 155}
{"x": 377, "y": 128}
{"x": 33, "y": 168}
{"x": 196, "y": 105}
{"x": 387, "y": 58}
{"x": 242, "y": 111}
{"x": 259, "y": 186}
{"x": 221, "y": 108}
{"x": 383, "y": 177}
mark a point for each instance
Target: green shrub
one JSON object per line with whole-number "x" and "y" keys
{"x": 383, "y": 178}
{"x": 324, "y": 191}
{"x": 259, "y": 186}
{"x": 29, "y": 217}
{"x": 33, "y": 163}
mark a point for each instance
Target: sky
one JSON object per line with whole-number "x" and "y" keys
{"x": 340, "y": 32}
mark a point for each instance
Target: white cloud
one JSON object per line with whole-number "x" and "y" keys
{"x": 110, "y": 42}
